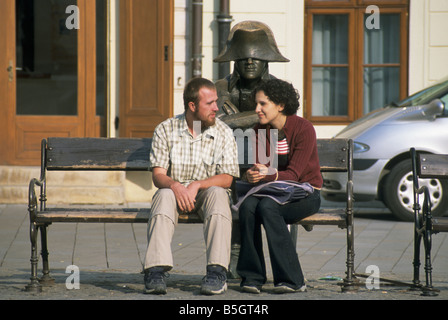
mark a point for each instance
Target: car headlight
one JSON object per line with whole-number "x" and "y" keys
{"x": 360, "y": 147}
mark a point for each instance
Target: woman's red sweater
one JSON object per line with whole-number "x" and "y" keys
{"x": 303, "y": 160}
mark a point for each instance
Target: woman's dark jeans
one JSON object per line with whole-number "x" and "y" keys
{"x": 255, "y": 212}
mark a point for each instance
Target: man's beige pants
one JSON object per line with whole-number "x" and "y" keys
{"x": 212, "y": 205}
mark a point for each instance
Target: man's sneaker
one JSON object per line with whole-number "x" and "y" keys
{"x": 155, "y": 280}
{"x": 284, "y": 288}
{"x": 215, "y": 282}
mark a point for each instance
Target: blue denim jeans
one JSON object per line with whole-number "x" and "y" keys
{"x": 255, "y": 212}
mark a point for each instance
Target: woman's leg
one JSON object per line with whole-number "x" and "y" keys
{"x": 298, "y": 210}
{"x": 251, "y": 266}
{"x": 284, "y": 259}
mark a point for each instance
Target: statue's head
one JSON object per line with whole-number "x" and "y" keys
{"x": 251, "y": 39}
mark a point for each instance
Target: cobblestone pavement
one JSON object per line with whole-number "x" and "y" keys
{"x": 109, "y": 258}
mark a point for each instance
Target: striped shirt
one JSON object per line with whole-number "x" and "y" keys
{"x": 189, "y": 159}
{"x": 303, "y": 160}
{"x": 282, "y": 150}
{"x": 282, "y": 147}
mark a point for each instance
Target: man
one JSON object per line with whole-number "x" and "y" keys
{"x": 251, "y": 45}
{"x": 193, "y": 161}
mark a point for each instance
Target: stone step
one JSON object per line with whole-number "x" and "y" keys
{"x": 83, "y": 187}
{"x": 77, "y": 187}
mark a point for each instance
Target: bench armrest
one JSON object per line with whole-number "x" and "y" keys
{"x": 32, "y": 198}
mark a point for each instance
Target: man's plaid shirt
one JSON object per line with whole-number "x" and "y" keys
{"x": 186, "y": 159}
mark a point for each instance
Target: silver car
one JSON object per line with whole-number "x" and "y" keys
{"x": 382, "y": 139}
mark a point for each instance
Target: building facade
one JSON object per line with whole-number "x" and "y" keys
{"x": 116, "y": 68}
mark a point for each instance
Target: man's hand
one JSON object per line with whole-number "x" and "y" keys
{"x": 193, "y": 188}
{"x": 185, "y": 196}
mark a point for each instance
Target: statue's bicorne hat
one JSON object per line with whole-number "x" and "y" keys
{"x": 251, "y": 39}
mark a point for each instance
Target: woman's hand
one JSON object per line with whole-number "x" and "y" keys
{"x": 256, "y": 173}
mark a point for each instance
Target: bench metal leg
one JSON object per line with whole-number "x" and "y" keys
{"x": 423, "y": 231}
{"x": 350, "y": 282}
{"x": 428, "y": 289}
{"x": 34, "y": 285}
{"x": 46, "y": 279}
{"x": 416, "y": 285}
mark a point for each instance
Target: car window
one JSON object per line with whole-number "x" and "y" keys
{"x": 426, "y": 95}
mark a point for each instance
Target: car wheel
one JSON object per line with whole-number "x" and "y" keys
{"x": 399, "y": 195}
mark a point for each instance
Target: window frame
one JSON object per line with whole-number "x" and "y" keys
{"x": 354, "y": 3}
{"x": 309, "y": 65}
{"x": 356, "y": 9}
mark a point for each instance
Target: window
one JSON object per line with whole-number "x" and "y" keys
{"x": 355, "y": 58}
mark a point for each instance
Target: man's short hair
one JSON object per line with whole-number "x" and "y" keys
{"x": 191, "y": 91}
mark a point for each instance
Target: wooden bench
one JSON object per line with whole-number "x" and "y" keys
{"x": 132, "y": 154}
{"x": 426, "y": 166}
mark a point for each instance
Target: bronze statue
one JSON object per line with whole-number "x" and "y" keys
{"x": 251, "y": 45}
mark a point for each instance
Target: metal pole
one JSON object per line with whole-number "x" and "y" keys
{"x": 224, "y": 20}
{"x": 197, "y": 39}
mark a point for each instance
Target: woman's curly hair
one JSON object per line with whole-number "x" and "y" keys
{"x": 281, "y": 93}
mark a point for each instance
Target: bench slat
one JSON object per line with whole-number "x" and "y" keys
{"x": 440, "y": 224}
{"x": 131, "y": 215}
{"x": 333, "y": 154}
{"x": 433, "y": 165}
{"x": 326, "y": 217}
{"x": 98, "y": 154}
{"x": 103, "y": 215}
{"x": 133, "y": 154}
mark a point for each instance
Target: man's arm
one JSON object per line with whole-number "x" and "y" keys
{"x": 221, "y": 180}
{"x": 185, "y": 196}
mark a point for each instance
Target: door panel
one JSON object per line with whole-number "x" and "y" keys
{"x": 146, "y": 65}
{"x": 52, "y": 91}
{"x": 60, "y": 99}
{"x": 28, "y": 136}
{"x": 47, "y": 60}
{"x": 7, "y": 77}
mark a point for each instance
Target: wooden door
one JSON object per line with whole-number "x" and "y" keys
{"x": 7, "y": 74}
{"x": 48, "y": 78}
{"x": 146, "y": 68}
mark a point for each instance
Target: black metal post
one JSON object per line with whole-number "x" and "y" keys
{"x": 197, "y": 39}
{"x": 224, "y": 20}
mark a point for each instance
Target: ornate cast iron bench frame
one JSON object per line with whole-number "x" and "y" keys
{"x": 132, "y": 154}
{"x": 426, "y": 166}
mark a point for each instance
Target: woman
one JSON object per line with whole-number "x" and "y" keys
{"x": 277, "y": 103}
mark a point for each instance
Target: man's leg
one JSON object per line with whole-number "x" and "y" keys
{"x": 161, "y": 224}
{"x": 214, "y": 208}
